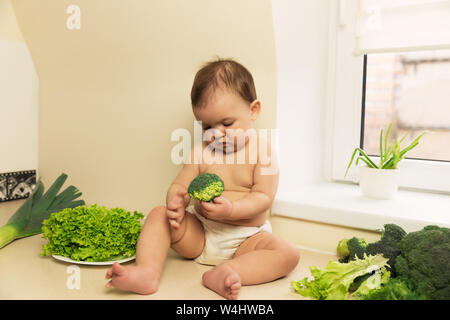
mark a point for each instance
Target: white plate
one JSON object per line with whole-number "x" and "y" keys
{"x": 99, "y": 263}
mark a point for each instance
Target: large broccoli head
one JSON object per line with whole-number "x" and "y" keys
{"x": 206, "y": 187}
{"x": 388, "y": 246}
{"x": 425, "y": 260}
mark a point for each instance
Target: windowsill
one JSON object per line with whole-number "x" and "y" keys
{"x": 343, "y": 204}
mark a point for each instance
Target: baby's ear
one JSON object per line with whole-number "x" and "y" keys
{"x": 255, "y": 108}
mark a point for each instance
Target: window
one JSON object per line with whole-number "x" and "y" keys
{"x": 411, "y": 91}
{"x": 406, "y": 72}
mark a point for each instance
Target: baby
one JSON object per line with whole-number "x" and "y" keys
{"x": 231, "y": 233}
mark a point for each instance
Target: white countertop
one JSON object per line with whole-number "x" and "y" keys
{"x": 26, "y": 275}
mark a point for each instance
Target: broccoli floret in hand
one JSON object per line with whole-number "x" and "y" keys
{"x": 425, "y": 260}
{"x": 206, "y": 187}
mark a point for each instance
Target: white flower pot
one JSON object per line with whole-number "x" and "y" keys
{"x": 378, "y": 183}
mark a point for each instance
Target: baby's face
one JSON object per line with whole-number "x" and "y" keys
{"x": 226, "y": 112}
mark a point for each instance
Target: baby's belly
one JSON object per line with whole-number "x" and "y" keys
{"x": 233, "y": 196}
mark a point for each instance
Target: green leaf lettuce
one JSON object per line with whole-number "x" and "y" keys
{"x": 92, "y": 233}
{"x": 334, "y": 281}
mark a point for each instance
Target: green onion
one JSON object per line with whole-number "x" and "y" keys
{"x": 365, "y": 158}
{"x": 389, "y": 158}
{"x": 381, "y": 148}
{"x": 385, "y": 140}
{"x": 392, "y": 162}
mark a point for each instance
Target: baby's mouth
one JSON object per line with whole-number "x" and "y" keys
{"x": 221, "y": 145}
{"x": 225, "y": 143}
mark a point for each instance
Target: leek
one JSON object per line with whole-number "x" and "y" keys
{"x": 27, "y": 220}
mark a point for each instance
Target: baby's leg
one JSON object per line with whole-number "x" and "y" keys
{"x": 189, "y": 239}
{"x": 261, "y": 258}
{"x": 151, "y": 252}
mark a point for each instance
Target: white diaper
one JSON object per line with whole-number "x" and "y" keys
{"x": 221, "y": 239}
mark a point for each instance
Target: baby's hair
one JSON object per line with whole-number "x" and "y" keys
{"x": 227, "y": 72}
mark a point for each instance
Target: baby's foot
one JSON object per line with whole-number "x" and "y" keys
{"x": 137, "y": 279}
{"x": 223, "y": 280}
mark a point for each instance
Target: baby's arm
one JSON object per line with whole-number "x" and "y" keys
{"x": 177, "y": 197}
{"x": 189, "y": 171}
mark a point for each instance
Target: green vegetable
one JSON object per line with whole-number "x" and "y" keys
{"x": 418, "y": 262}
{"x": 27, "y": 220}
{"x": 342, "y": 248}
{"x": 389, "y": 158}
{"x": 206, "y": 187}
{"x": 372, "y": 283}
{"x": 425, "y": 261}
{"x": 393, "y": 289}
{"x": 334, "y": 282}
{"x": 92, "y": 233}
{"x": 352, "y": 249}
{"x": 388, "y": 246}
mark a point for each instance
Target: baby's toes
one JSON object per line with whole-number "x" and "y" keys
{"x": 235, "y": 286}
{"x": 233, "y": 294}
{"x": 233, "y": 282}
{"x": 232, "y": 279}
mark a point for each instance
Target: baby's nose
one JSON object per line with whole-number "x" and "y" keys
{"x": 218, "y": 134}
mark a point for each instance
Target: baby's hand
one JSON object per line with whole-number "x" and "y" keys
{"x": 175, "y": 209}
{"x": 220, "y": 209}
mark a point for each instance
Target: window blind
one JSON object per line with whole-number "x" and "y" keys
{"x": 402, "y": 25}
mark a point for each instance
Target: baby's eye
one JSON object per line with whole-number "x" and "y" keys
{"x": 227, "y": 124}
{"x": 206, "y": 128}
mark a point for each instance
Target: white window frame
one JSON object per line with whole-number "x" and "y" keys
{"x": 344, "y": 108}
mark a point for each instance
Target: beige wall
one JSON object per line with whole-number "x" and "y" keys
{"x": 9, "y": 30}
{"x": 112, "y": 92}
{"x": 18, "y": 98}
